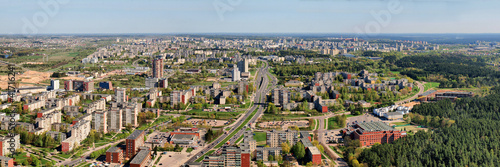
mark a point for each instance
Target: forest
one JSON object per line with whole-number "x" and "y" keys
{"x": 450, "y": 70}
{"x": 472, "y": 140}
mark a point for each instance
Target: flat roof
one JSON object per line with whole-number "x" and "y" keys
{"x": 314, "y": 150}
{"x": 428, "y": 93}
{"x": 135, "y": 134}
{"x": 5, "y": 158}
{"x": 374, "y": 126}
{"x": 114, "y": 149}
{"x": 139, "y": 157}
{"x": 182, "y": 137}
{"x": 393, "y": 113}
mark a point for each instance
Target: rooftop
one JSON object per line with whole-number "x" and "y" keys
{"x": 393, "y": 113}
{"x": 5, "y": 158}
{"x": 135, "y": 134}
{"x": 314, "y": 150}
{"x": 375, "y": 126}
{"x": 139, "y": 157}
{"x": 182, "y": 137}
{"x": 114, "y": 149}
{"x": 428, "y": 93}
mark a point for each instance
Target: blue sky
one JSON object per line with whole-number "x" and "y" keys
{"x": 249, "y": 16}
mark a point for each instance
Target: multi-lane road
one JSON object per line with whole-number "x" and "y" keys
{"x": 262, "y": 82}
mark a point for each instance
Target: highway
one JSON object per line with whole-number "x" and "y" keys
{"x": 259, "y": 104}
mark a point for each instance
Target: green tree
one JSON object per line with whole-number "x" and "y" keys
{"x": 285, "y": 147}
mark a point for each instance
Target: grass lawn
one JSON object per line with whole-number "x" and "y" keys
{"x": 317, "y": 124}
{"x": 395, "y": 72}
{"x": 430, "y": 85}
{"x": 189, "y": 149}
{"x": 337, "y": 151}
{"x": 239, "y": 139}
{"x": 332, "y": 124}
{"x": 259, "y": 136}
{"x": 399, "y": 123}
{"x": 203, "y": 156}
{"x": 20, "y": 157}
{"x": 326, "y": 123}
{"x": 63, "y": 155}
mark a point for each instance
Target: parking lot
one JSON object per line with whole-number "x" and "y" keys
{"x": 208, "y": 122}
{"x": 176, "y": 158}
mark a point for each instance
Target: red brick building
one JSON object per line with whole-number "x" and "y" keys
{"x": 141, "y": 159}
{"x": 314, "y": 155}
{"x": 369, "y": 133}
{"x": 133, "y": 142}
{"x": 114, "y": 155}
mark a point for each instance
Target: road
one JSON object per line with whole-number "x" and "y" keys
{"x": 260, "y": 97}
{"x": 420, "y": 91}
{"x": 321, "y": 138}
{"x": 86, "y": 154}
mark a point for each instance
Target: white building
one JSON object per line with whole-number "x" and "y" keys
{"x": 54, "y": 84}
{"x": 236, "y": 74}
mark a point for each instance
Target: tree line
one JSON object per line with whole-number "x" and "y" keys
{"x": 472, "y": 140}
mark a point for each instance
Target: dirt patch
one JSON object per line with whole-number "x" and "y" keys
{"x": 410, "y": 104}
{"x": 29, "y": 78}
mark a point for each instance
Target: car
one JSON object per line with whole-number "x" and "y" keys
{"x": 169, "y": 155}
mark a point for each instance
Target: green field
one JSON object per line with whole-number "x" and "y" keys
{"x": 399, "y": 123}
{"x": 260, "y": 136}
{"x": 189, "y": 149}
{"x": 430, "y": 85}
{"x": 332, "y": 124}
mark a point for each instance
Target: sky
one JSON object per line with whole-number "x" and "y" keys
{"x": 248, "y": 16}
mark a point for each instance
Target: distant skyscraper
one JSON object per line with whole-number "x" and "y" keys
{"x": 236, "y": 73}
{"x": 54, "y": 84}
{"x": 243, "y": 65}
{"x": 121, "y": 95}
{"x": 158, "y": 68}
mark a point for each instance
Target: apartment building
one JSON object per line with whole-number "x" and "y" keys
{"x": 121, "y": 95}
{"x": 8, "y": 142}
{"x": 133, "y": 142}
{"x": 114, "y": 119}
{"x": 100, "y": 121}
{"x": 158, "y": 68}
{"x": 275, "y": 138}
{"x": 142, "y": 158}
{"x": 6, "y": 161}
{"x": 281, "y": 96}
{"x": 78, "y": 132}
{"x": 34, "y": 105}
{"x": 114, "y": 155}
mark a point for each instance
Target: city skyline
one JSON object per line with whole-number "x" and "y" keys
{"x": 219, "y": 16}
